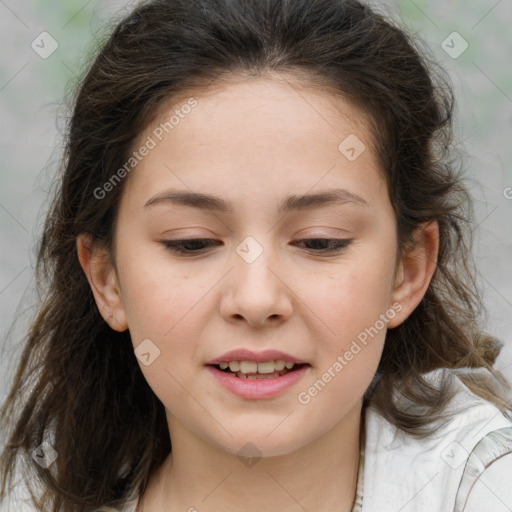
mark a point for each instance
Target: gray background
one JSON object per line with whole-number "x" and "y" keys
{"x": 32, "y": 110}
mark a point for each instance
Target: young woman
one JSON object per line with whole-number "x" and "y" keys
{"x": 259, "y": 290}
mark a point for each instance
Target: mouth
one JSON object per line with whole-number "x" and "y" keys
{"x": 258, "y": 380}
{"x": 249, "y": 370}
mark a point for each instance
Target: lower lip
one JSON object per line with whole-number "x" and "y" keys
{"x": 258, "y": 388}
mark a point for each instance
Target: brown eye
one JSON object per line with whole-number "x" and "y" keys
{"x": 327, "y": 245}
{"x": 190, "y": 246}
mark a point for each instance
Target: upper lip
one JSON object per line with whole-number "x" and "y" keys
{"x": 243, "y": 354}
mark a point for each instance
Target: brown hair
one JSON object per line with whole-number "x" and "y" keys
{"x": 78, "y": 384}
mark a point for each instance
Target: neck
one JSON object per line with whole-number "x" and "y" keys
{"x": 200, "y": 476}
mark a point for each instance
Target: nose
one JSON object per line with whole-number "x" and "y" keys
{"x": 258, "y": 291}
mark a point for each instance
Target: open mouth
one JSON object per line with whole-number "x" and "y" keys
{"x": 259, "y": 375}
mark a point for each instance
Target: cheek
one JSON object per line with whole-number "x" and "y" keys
{"x": 354, "y": 295}
{"x": 155, "y": 293}
{"x": 353, "y": 308}
{"x": 350, "y": 348}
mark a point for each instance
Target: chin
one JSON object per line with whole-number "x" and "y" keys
{"x": 261, "y": 444}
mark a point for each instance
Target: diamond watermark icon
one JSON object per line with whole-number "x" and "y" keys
{"x": 352, "y": 147}
{"x": 454, "y": 45}
{"x": 44, "y": 45}
{"x": 249, "y": 249}
{"x": 147, "y": 352}
{"x": 454, "y": 455}
{"x": 44, "y": 455}
{"x": 249, "y": 455}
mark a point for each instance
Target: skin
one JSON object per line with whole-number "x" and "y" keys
{"x": 253, "y": 143}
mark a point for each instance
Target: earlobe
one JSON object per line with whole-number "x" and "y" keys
{"x": 415, "y": 271}
{"x": 97, "y": 266}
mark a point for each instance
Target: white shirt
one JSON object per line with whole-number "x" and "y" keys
{"x": 405, "y": 474}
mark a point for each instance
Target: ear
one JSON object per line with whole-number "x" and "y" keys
{"x": 95, "y": 261}
{"x": 415, "y": 271}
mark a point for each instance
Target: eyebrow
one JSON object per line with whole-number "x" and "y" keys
{"x": 293, "y": 202}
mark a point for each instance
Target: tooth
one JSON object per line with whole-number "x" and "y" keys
{"x": 267, "y": 367}
{"x": 234, "y": 366}
{"x": 247, "y": 366}
{"x": 279, "y": 365}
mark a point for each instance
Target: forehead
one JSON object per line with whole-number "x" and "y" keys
{"x": 280, "y": 103}
{"x": 253, "y": 135}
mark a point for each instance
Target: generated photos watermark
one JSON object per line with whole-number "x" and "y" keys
{"x": 304, "y": 397}
{"x": 150, "y": 143}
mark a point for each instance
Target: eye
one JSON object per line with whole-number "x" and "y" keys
{"x": 187, "y": 246}
{"x": 334, "y": 245}
{"x": 196, "y": 245}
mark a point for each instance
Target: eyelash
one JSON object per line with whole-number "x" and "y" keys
{"x": 176, "y": 246}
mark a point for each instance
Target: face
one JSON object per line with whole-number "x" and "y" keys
{"x": 312, "y": 278}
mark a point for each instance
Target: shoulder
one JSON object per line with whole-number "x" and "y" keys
{"x": 486, "y": 481}
{"x": 468, "y": 417}
{"x": 425, "y": 474}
